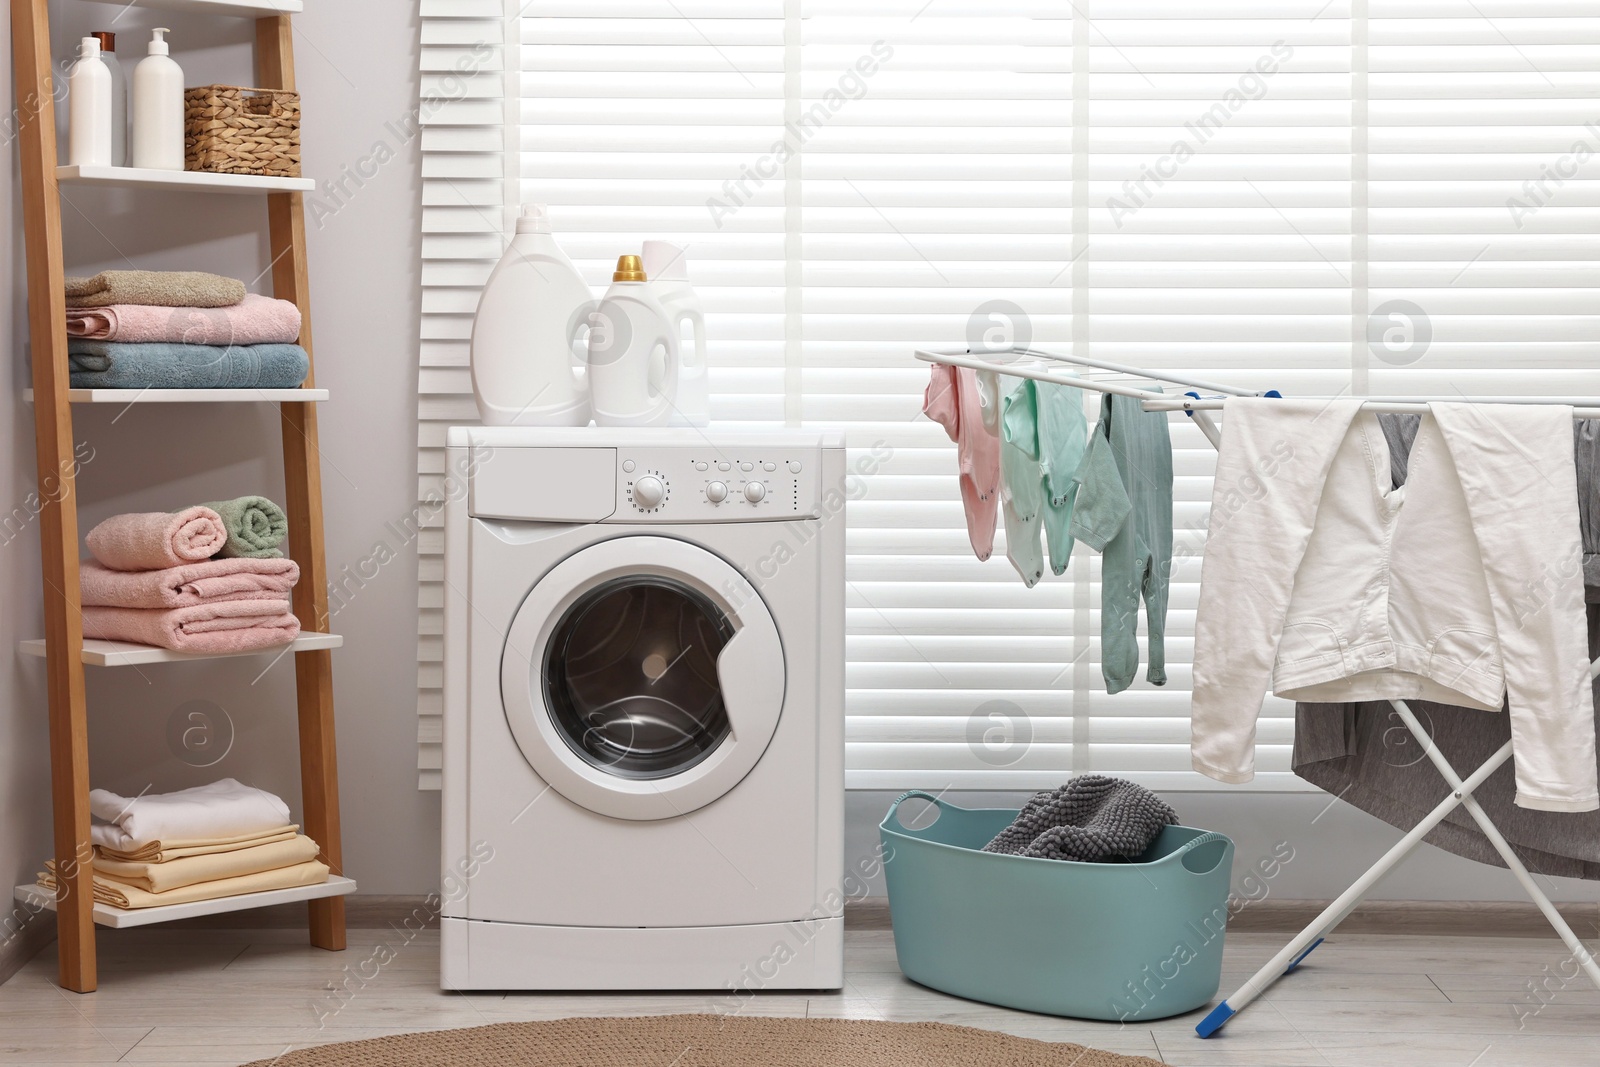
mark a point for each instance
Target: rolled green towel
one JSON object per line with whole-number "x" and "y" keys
{"x": 256, "y": 527}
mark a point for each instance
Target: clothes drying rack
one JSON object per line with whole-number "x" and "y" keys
{"x": 1005, "y": 360}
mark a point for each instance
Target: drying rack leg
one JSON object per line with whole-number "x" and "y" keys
{"x": 1337, "y": 911}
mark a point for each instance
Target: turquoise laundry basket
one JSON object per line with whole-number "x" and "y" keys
{"x": 1119, "y": 941}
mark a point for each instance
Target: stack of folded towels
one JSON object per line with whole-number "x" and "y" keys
{"x": 137, "y": 329}
{"x": 217, "y": 840}
{"x": 209, "y": 579}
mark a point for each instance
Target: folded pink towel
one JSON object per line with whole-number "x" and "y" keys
{"x": 259, "y": 320}
{"x": 154, "y": 541}
{"x": 229, "y": 626}
{"x": 210, "y": 582}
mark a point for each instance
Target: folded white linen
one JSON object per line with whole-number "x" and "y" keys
{"x": 221, "y": 809}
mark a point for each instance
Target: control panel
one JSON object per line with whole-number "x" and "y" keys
{"x": 713, "y": 484}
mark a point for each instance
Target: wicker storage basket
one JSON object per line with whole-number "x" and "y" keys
{"x": 233, "y": 130}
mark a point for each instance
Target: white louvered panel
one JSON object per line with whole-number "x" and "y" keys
{"x": 463, "y": 65}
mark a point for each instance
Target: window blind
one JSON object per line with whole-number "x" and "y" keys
{"x": 1386, "y": 196}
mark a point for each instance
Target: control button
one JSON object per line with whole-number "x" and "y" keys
{"x": 724, "y": 466}
{"x": 701, "y": 465}
{"x": 649, "y": 492}
{"x": 628, "y": 466}
{"x": 717, "y": 492}
{"x": 747, "y": 466}
{"x": 794, "y": 466}
{"x": 755, "y": 492}
{"x": 769, "y": 466}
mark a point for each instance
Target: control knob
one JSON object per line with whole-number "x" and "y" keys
{"x": 649, "y": 492}
{"x": 755, "y": 492}
{"x": 717, "y": 492}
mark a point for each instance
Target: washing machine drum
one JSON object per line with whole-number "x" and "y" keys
{"x": 643, "y": 677}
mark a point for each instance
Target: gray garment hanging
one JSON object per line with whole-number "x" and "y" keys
{"x": 1364, "y": 754}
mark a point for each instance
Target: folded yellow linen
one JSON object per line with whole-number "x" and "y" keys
{"x": 162, "y": 851}
{"x": 175, "y": 874}
{"x": 129, "y": 897}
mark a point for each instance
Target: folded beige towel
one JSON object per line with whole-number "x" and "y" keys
{"x": 121, "y": 895}
{"x": 165, "y": 851}
{"x": 154, "y": 288}
{"x": 175, "y": 874}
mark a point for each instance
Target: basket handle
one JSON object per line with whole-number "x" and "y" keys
{"x": 1207, "y": 838}
{"x": 908, "y": 795}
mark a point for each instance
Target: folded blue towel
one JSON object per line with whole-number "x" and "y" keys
{"x": 112, "y": 365}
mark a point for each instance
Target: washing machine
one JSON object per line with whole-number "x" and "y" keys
{"x": 643, "y": 745}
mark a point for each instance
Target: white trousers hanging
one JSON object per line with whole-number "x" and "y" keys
{"x": 1321, "y": 581}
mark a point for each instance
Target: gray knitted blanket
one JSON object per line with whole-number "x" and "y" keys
{"x": 1092, "y": 819}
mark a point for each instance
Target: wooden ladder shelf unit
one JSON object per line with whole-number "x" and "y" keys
{"x": 58, "y": 520}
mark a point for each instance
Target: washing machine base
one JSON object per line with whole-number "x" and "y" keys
{"x": 736, "y": 961}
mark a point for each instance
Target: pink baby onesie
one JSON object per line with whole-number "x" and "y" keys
{"x": 952, "y": 400}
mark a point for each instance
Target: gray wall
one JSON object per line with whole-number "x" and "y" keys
{"x": 357, "y": 62}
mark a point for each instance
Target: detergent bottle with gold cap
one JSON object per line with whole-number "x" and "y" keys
{"x": 633, "y": 353}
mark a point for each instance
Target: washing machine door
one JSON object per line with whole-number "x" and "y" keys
{"x": 643, "y": 677}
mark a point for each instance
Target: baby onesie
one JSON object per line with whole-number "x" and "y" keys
{"x": 953, "y": 402}
{"x": 1063, "y": 437}
{"x": 1022, "y": 495}
{"x": 1124, "y": 510}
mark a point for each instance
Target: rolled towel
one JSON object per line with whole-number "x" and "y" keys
{"x": 258, "y": 320}
{"x": 175, "y": 874}
{"x": 210, "y": 582}
{"x": 114, "y": 365}
{"x": 209, "y": 629}
{"x": 153, "y": 541}
{"x": 218, "y": 809}
{"x": 157, "y": 288}
{"x": 256, "y": 527}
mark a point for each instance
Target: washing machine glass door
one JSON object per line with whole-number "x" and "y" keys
{"x": 643, "y": 677}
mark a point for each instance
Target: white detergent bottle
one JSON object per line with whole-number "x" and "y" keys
{"x": 668, "y": 269}
{"x": 630, "y": 332}
{"x": 158, "y": 109}
{"x": 89, "y": 101}
{"x": 527, "y": 359}
{"x": 119, "y": 97}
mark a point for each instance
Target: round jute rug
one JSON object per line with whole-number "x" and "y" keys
{"x": 705, "y": 1041}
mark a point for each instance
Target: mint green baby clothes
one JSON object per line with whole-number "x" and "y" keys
{"x": 1022, "y": 495}
{"x": 1046, "y": 422}
{"x": 1124, "y": 511}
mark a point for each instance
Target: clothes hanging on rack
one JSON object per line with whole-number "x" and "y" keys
{"x": 1043, "y": 435}
{"x": 1124, "y": 511}
{"x": 1323, "y": 582}
{"x": 952, "y": 401}
{"x": 1362, "y": 754}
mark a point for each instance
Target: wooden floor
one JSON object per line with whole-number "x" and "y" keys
{"x": 226, "y": 997}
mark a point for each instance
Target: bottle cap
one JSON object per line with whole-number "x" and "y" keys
{"x": 535, "y": 219}
{"x": 89, "y": 48}
{"x": 629, "y": 269}
{"x": 665, "y": 261}
{"x": 108, "y": 41}
{"x": 158, "y": 42}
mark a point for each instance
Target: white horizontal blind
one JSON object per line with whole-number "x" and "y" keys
{"x": 461, "y": 115}
{"x": 1241, "y": 193}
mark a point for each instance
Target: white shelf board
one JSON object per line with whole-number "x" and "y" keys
{"x": 104, "y": 915}
{"x": 191, "y": 396}
{"x": 188, "y": 181}
{"x": 123, "y": 654}
{"x": 250, "y": 9}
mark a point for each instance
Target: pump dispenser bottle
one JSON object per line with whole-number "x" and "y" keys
{"x": 89, "y": 103}
{"x": 158, "y": 112}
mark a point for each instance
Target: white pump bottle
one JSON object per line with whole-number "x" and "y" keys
{"x": 158, "y": 109}
{"x": 527, "y": 363}
{"x": 630, "y": 331}
{"x": 89, "y": 137}
{"x": 668, "y": 269}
